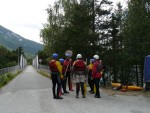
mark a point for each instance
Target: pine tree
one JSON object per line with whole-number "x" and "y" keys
{"x": 137, "y": 38}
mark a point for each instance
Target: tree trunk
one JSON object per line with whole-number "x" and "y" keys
{"x": 137, "y": 79}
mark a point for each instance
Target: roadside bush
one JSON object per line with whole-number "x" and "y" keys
{"x": 9, "y": 64}
{"x": 4, "y": 79}
{"x": 10, "y": 76}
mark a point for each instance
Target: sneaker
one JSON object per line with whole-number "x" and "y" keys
{"x": 77, "y": 96}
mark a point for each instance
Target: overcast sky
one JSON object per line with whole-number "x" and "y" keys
{"x": 25, "y": 17}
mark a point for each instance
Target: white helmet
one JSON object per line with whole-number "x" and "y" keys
{"x": 79, "y": 56}
{"x": 96, "y": 57}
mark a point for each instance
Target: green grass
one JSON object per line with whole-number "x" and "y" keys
{"x": 44, "y": 74}
{"x": 5, "y": 79}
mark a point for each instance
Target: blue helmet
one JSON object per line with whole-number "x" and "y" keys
{"x": 68, "y": 55}
{"x": 61, "y": 60}
{"x": 92, "y": 60}
{"x": 55, "y": 55}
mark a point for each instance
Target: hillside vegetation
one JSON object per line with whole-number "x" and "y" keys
{"x": 12, "y": 41}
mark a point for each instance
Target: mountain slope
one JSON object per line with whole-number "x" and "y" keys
{"x": 12, "y": 41}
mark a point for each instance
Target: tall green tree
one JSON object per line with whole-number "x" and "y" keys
{"x": 137, "y": 37}
{"x": 52, "y": 31}
{"x": 68, "y": 27}
{"x": 7, "y": 58}
{"x": 115, "y": 42}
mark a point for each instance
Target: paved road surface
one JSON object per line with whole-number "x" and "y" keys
{"x": 31, "y": 93}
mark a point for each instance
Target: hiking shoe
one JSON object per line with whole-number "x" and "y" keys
{"x": 59, "y": 97}
{"x": 92, "y": 92}
{"x": 54, "y": 97}
{"x": 83, "y": 96}
{"x": 96, "y": 96}
{"x": 66, "y": 92}
{"x": 77, "y": 96}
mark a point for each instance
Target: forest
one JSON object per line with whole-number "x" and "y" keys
{"x": 120, "y": 36}
{"x": 9, "y": 58}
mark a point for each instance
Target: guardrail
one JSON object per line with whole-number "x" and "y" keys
{"x": 9, "y": 69}
{"x": 44, "y": 68}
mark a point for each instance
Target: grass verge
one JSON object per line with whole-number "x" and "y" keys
{"x": 5, "y": 79}
{"x": 44, "y": 74}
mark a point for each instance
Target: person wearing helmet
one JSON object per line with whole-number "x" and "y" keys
{"x": 79, "y": 71}
{"x": 56, "y": 75}
{"x": 90, "y": 80}
{"x": 68, "y": 64}
{"x": 61, "y": 60}
{"x": 96, "y": 74}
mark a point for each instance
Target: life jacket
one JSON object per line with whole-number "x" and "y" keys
{"x": 79, "y": 65}
{"x": 52, "y": 66}
{"x": 90, "y": 67}
{"x": 97, "y": 68}
{"x": 68, "y": 65}
{"x": 63, "y": 69}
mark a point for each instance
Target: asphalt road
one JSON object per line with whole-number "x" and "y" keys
{"x": 31, "y": 93}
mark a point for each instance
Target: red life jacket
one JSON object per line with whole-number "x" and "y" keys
{"x": 52, "y": 66}
{"x": 68, "y": 65}
{"x": 97, "y": 68}
{"x": 79, "y": 65}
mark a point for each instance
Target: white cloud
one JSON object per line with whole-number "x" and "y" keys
{"x": 25, "y": 17}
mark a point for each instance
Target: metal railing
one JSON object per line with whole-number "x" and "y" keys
{"x": 44, "y": 68}
{"x": 9, "y": 69}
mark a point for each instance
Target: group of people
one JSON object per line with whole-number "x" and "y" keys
{"x": 62, "y": 71}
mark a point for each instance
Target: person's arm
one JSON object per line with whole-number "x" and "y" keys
{"x": 86, "y": 69}
{"x": 72, "y": 70}
{"x": 59, "y": 67}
